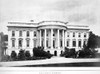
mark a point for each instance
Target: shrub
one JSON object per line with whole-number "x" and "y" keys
{"x": 6, "y": 58}
{"x": 13, "y": 56}
{"x": 87, "y": 53}
{"x": 69, "y": 53}
{"x": 27, "y": 55}
{"x": 21, "y": 55}
{"x": 39, "y": 52}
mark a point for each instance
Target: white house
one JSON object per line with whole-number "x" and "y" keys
{"x": 54, "y": 36}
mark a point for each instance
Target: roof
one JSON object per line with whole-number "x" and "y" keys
{"x": 22, "y": 24}
{"x": 74, "y": 25}
{"x": 45, "y": 23}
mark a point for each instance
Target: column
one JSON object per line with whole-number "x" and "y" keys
{"x": 63, "y": 38}
{"x": 51, "y": 38}
{"x": 45, "y": 40}
{"x": 82, "y": 40}
{"x": 31, "y": 40}
{"x": 82, "y": 43}
{"x": 58, "y": 40}
{"x": 17, "y": 40}
{"x": 24, "y": 40}
{"x": 70, "y": 43}
{"x": 40, "y": 37}
{"x": 76, "y": 43}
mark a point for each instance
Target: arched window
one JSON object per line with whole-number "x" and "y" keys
{"x": 79, "y": 43}
{"x": 27, "y": 43}
{"x": 20, "y": 43}
{"x": 74, "y": 43}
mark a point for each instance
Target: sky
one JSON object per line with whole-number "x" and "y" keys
{"x": 86, "y": 12}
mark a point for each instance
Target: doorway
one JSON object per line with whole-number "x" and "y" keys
{"x": 55, "y": 53}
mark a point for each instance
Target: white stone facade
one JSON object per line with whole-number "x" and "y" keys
{"x": 54, "y": 36}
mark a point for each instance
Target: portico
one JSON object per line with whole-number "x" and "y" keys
{"x": 52, "y": 38}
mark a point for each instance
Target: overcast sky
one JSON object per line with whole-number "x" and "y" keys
{"x": 77, "y": 11}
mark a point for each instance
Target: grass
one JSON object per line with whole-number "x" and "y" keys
{"x": 82, "y": 64}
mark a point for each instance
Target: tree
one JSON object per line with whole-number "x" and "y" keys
{"x": 13, "y": 55}
{"x": 27, "y": 55}
{"x": 93, "y": 41}
{"x": 88, "y": 50}
{"x": 2, "y": 46}
{"x": 21, "y": 55}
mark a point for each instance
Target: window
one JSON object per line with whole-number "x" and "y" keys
{"x": 13, "y": 33}
{"x": 60, "y": 43}
{"x": 53, "y": 34}
{"x": 34, "y": 33}
{"x": 67, "y": 34}
{"x": 68, "y": 43}
{"x": 85, "y": 41}
{"x": 74, "y": 43}
{"x": 79, "y": 35}
{"x": 47, "y": 43}
{"x": 41, "y": 33}
{"x": 42, "y": 43}
{"x": 28, "y": 34}
{"x": 20, "y": 33}
{"x": 13, "y": 43}
{"x": 73, "y": 34}
{"x": 47, "y": 34}
{"x": 27, "y": 43}
{"x": 84, "y": 34}
{"x": 20, "y": 43}
{"x": 79, "y": 43}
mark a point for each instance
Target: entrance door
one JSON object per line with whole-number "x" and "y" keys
{"x": 55, "y": 53}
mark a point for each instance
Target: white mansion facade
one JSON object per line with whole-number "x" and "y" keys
{"x": 54, "y": 36}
